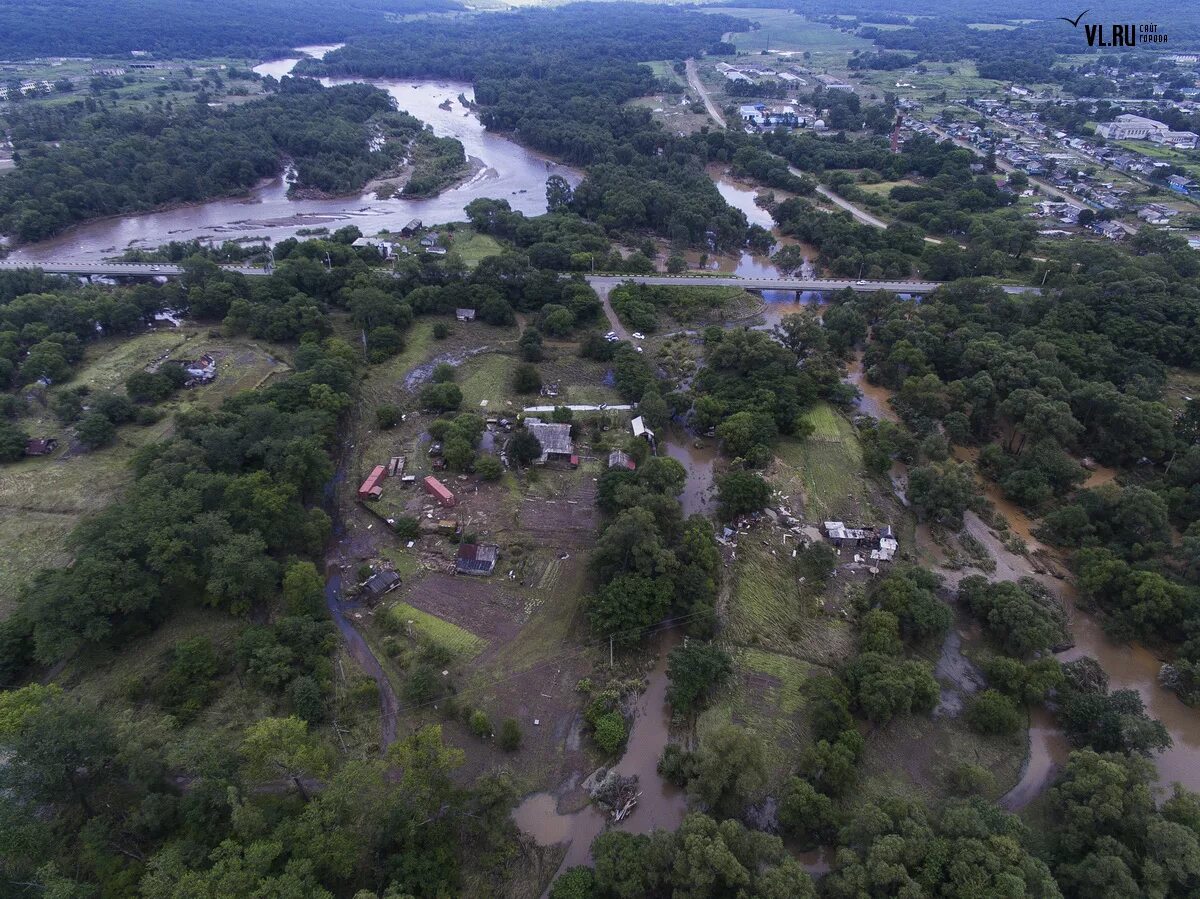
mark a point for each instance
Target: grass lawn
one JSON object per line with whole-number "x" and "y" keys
{"x": 917, "y": 754}
{"x": 883, "y": 188}
{"x": 771, "y": 610}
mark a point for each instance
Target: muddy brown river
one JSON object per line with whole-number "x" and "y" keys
{"x": 510, "y": 172}
{"x": 1129, "y": 666}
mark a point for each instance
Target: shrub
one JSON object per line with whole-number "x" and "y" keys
{"x": 610, "y": 732}
{"x": 993, "y": 713}
{"x": 480, "y": 724}
{"x": 489, "y": 468}
{"x": 95, "y": 431}
{"x": 441, "y": 331}
{"x": 387, "y": 417}
{"x": 526, "y": 379}
{"x": 510, "y": 735}
{"x": 967, "y": 779}
{"x": 407, "y": 527}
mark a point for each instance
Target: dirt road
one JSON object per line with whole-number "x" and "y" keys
{"x": 693, "y": 78}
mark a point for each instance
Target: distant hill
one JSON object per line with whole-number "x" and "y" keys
{"x": 192, "y": 28}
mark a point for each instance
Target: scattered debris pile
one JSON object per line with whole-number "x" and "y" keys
{"x": 617, "y": 795}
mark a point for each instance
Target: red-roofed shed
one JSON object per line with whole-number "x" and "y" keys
{"x": 439, "y": 491}
{"x": 372, "y": 487}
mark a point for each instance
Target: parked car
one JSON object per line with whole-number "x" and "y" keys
{"x": 638, "y": 335}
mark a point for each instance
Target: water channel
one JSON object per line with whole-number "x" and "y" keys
{"x": 509, "y": 172}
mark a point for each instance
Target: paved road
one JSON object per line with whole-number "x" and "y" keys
{"x": 116, "y": 269}
{"x": 693, "y": 78}
{"x": 602, "y": 284}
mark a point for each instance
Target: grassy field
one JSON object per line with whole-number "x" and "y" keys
{"x": 883, "y": 188}
{"x": 826, "y": 467}
{"x": 783, "y": 30}
{"x": 473, "y": 247}
{"x": 458, "y": 641}
{"x": 35, "y": 520}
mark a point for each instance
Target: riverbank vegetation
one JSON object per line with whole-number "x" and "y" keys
{"x": 83, "y": 160}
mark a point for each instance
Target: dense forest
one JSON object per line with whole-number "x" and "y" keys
{"x": 192, "y": 28}
{"x": 83, "y": 160}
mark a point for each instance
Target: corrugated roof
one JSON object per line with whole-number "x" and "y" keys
{"x": 554, "y": 438}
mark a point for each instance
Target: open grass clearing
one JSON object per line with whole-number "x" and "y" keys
{"x": 770, "y": 610}
{"x": 916, "y": 754}
{"x": 782, "y": 29}
{"x": 473, "y": 247}
{"x": 825, "y": 467}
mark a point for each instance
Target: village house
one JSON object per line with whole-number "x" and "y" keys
{"x": 382, "y": 248}
{"x": 477, "y": 558}
{"x": 372, "y": 487}
{"x": 411, "y": 228}
{"x": 464, "y": 315}
{"x": 1157, "y": 214}
{"x": 638, "y": 426}
{"x": 881, "y": 541}
{"x": 555, "y": 440}
{"x": 380, "y": 583}
{"x": 40, "y": 446}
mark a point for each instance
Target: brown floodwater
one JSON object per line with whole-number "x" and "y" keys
{"x": 509, "y": 172}
{"x": 873, "y": 400}
{"x": 1129, "y": 666}
{"x": 697, "y": 496}
{"x": 662, "y": 806}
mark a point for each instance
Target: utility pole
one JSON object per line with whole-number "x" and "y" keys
{"x": 610, "y": 652}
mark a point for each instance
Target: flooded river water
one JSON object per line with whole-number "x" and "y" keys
{"x": 510, "y": 172}
{"x": 1129, "y": 666}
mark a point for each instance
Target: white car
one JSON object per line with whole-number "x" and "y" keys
{"x": 638, "y": 335}
{"x": 860, "y": 281}
{"x": 638, "y": 348}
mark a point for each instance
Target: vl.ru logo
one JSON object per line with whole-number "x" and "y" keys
{"x": 1118, "y": 35}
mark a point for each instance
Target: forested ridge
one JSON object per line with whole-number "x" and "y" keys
{"x": 80, "y": 160}
{"x": 192, "y": 28}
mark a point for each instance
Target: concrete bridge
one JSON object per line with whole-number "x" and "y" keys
{"x": 607, "y": 282}
{"x": 116, "y": 269}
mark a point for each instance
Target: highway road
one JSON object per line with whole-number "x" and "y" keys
{"x": 117, "y": 269}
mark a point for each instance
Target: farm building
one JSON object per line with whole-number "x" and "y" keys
{"x": 380, "y": 583}
{"x": 477, "y": 558}
{"x": 372, "y": 487}
{"x": 40, "y": 446}
{"x": 638, "y": 425}
{"x": 555, "y": 439}
{"x": 618, "y": 459}
{"x": 464, "y": 315}
{"x": 439, "y": 491}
